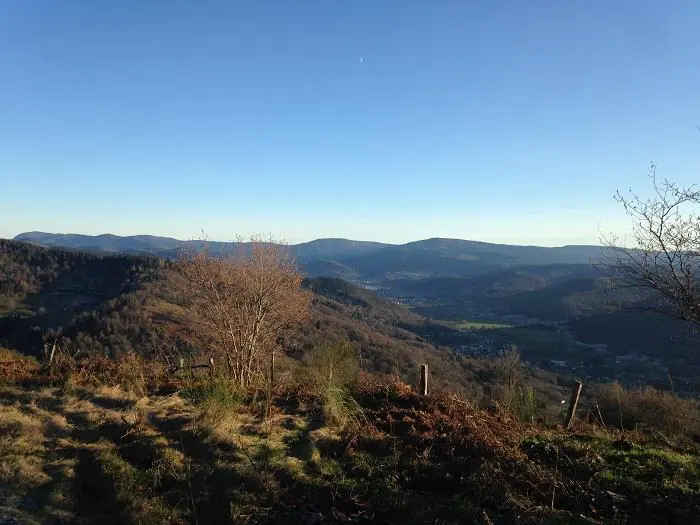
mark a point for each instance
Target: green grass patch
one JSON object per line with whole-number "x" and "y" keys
{"x": 642, "y": 468}
{"x": 478, "y": 325}
{"x": 216, "y": 390}
{"x": 631, "y": 469}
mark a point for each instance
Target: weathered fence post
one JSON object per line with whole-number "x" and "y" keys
{"x": 53, "y": 352}
{"x": 424, "y": 380}
{"x": 573, "y": 403}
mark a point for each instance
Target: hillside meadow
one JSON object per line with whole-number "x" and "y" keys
{"x": 123, "y": 441}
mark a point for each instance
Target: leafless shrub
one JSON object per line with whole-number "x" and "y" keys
{"x": 241, "y": 301}
{"x": 647, "y": 409}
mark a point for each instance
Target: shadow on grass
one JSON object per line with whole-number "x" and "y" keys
{"x": 300, "y": 444}
{"x": 188, "y": 440}
{"x": 49, "y": 403}
{"x": 218, "y": 481}
{"x": 87, "y": 431}
{"x": 112, "y": 403}
{"x": 95, "y": 493}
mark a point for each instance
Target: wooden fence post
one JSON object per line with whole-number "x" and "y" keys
{"x": 573, "y": 403}
{"x": 424, "y": 380}
{"x": 53, "y": 352}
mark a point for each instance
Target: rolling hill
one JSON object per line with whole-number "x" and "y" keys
{"x": 452, "y": 287}
{"x": 498, "y": 283}
{"x": 356, "y": 259}
{"x": 112, "y": 304}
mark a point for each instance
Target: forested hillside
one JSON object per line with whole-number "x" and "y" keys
{"x": 367, "y": 260}
{"x": 113, "y": 304}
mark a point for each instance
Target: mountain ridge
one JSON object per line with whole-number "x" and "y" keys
{"x": 35, "y": 235}
{"x": 383, "y": 266}
{"x": 476, "y": 306}
{"x": 363, "y": 260}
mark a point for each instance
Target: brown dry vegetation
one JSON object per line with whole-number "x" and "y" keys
{"x": 648, "y": 409}
{"x": 15, "y": 366}
{"x": 127, "y": 439}
{"x": 87, "y": 443}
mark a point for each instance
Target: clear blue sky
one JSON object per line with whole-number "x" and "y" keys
{"x": 508, "y": 121}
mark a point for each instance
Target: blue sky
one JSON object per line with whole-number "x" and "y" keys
{"x": 505, "y": 121}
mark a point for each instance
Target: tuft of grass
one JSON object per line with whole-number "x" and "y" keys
{"x": 512, "y": 393}
{"x": 168, "y": 466}
{"x": 341, "y": 409}
{"x": 216, "y": 391}
{"x": 644, "y": 468}
{"x": 332, "y": 368}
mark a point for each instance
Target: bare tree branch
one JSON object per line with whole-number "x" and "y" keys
{"x": 242, "y": 300}
{"x": 665, "y": 258}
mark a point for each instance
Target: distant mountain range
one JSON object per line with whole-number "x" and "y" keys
{"x": 354, "y": 260}
{"x": 546, "y": 301}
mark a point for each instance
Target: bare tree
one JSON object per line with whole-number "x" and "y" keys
{"x": 242, "y": 300}
{"x": 665, "y": 257}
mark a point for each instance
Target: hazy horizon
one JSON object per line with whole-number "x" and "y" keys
{"x": 287, "y": 241}
{"x": 385, "y": 121}
{"x": 389, "y": 232}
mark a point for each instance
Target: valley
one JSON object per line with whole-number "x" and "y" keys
{"x": 110, "y": 421}
{"x": 574, "y": 327}
{"x": 554, "y": 304}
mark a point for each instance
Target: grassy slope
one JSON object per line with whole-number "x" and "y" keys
{"x": 77, "y": 455}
